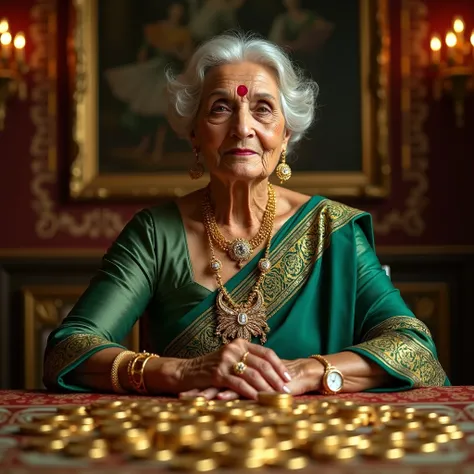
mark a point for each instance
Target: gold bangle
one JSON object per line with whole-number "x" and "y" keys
{"x": 114, "y": 378}
{"x": 136, "y": 371}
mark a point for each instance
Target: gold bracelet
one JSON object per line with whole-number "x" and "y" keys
{"x": 114, "y": 378}
{"x": 136, "y": 369}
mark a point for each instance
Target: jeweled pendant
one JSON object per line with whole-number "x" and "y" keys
{"x": 264, "y": 265}
{"x": 241, "y": 321}
{"x": 215, "y": 265}
{"x": 240, "y": 250}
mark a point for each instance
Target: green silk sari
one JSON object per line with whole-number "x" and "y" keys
{"x": 326, "y": 293}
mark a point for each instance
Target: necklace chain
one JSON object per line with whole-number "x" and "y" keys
{"x": 247, "y": 318}
{"x": 240, "y": 249}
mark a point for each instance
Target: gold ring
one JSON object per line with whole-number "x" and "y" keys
{"x": 244, "y": 357}
{"x": 239, "y": 368}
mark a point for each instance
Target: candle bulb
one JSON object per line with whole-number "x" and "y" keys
{"x": 6, "y": 42}
{"x": 451, "y": 41}
{"x": 3, "y": 26}
{"x": 472, "y": 43}
{"x": 435, "y": 45}
{"x": 19, "y": 44}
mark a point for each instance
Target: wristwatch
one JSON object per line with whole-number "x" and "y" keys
{"x": 332, "y": 380}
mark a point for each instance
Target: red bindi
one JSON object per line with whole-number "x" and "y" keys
{"x": 242, "y": 90}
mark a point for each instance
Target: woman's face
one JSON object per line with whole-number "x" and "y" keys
{"x": 240, "y": 137}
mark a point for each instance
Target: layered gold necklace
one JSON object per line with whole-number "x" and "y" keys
{"x": 248, "y": 319}
{"x": 240, "y": 250}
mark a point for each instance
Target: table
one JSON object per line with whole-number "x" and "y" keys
{"x": 19, "y": 405}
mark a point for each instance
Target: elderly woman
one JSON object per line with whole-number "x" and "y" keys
{"x": 248, "y": 287}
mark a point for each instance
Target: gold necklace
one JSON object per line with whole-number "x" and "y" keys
{"x": 240, "y": 320}
{"x": 240, "y": 250}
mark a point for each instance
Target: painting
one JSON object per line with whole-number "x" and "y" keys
{"x": 123, "y": 48}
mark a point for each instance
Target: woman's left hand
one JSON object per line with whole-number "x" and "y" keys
{"x": 305, "y": 377}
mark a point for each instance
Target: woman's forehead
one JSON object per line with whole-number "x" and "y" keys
{"x": 231, "y": 76}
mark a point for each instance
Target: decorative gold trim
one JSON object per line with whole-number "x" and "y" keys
{"x": 406, "y": 356}
{"x": 414, "y": 113}
{"x": 50, "y": 222}
{"x": 66, "y": 353}
{"x": 373, "y": 180}
{"x": 42, "y": 311}
{"x": 292, "y": 261}
{"x": 382, "y": 251}
{"x": 396, "y": 323}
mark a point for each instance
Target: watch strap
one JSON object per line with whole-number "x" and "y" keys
{"x": 327, "y": 367}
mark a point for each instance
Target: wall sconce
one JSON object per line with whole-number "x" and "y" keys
{"x": 454, "y": 73}
{"x": 12, "y": 67}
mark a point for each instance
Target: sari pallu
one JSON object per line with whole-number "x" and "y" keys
{"x": 326, "y": 293}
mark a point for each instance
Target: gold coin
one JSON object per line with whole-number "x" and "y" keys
{"x": 51, "y": 419}
{"x": 444, "y": 420}
{"x": 193, "y": 463}
{"x": 285, "y": 445}
{"x": 106, "y": 404}
{"x": 85, "y": 451}
{"x": 275, "y": 399}
{"x": 364, "y": 444}
{"x": 162, "y": 455}
{"x": 36, "y": 428}
{"x": 62, "y": 433}
{"x": 82, "y": 429}
{"x": 293, "y": 461}
{"x": 323, "y": 452}
{"x": 244, "y": 459}
{"x": 384, "y": 452}
{"x": 187, "y": 435}
{"x": 318, "y": 426}
{"x": 72, "y": 410}
{"x": 449, "y": 428}
{"x": 455, "y": 435}
{"x": 416, "y": 446}
{"x": 440, "y": 438}
{"x": 220, "y": 448}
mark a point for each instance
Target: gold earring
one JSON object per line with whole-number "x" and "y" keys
{"x": 283, "y": 170}
{"x": 196, "y": 171}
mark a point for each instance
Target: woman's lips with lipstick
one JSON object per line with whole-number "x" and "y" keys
{"x": 241, "y": 152}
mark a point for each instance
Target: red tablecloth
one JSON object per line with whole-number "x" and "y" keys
{"x": 17, "y": 406}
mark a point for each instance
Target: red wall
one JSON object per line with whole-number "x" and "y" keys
{"x": 429, "y": 204}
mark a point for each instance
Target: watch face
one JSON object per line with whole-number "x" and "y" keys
{"x": 334, "y": 381}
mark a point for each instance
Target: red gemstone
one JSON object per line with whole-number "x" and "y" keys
{"x": 242, "y": 90}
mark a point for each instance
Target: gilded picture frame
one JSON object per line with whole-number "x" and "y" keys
{"x": 44, "y": 307}
{"x": 361, "y": 169}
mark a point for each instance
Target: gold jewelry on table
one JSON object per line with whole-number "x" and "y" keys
{"x": 248, "y": 319}
{"x": 283, "y": 170}
{"x": 116, "y": 386}
{"x": 136, "y": 371}
{"x": 240, "y": 250}
{"x": 332, "y": 380}
{"x": 240, "y": 367}
{"x": 197, "y": 170}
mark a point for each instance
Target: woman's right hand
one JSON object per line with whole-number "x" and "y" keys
{"x": 265, "y": 372}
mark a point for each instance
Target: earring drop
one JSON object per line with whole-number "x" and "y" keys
{"x": 197, "y": 170}
{"x": 283, "y": 170}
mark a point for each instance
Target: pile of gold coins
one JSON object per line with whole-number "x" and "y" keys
{"x": 201, "y": 435}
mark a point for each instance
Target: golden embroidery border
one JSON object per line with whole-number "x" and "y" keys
{"x": 395, "y": 323}
{"x": 373, "y": 347}
{"x": 57, "y": 358}
{"x": 311, "y": 220}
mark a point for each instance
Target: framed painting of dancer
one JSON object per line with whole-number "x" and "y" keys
{"x": 121, "y": 49}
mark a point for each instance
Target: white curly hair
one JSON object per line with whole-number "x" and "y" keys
{"x": 297, "y": 92}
